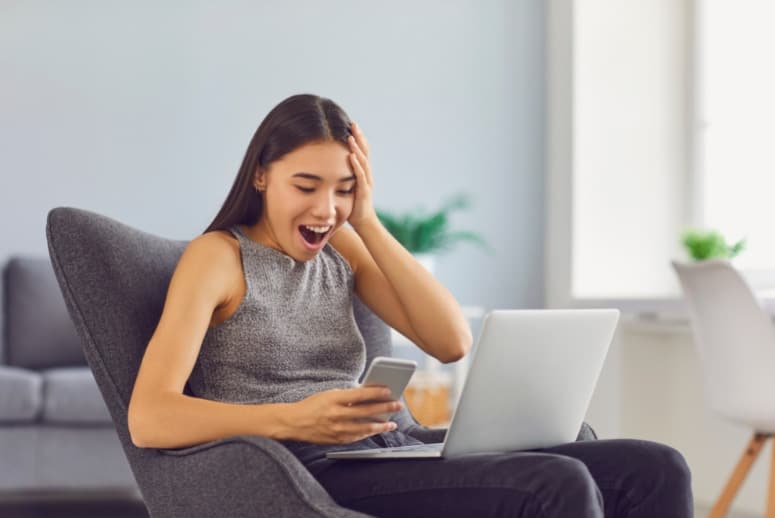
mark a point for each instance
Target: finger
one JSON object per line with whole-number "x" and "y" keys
{"x": 365, "y": 430}
{"x": 361, "y": 138}
{"x": 360, "y": 173}
{"x": 362, "y": 158}
{"x": 358, "y": 150}
{"x": 372, "y": 409}
{"x": 361, "y": 430}
{"x": 370, "y": 393}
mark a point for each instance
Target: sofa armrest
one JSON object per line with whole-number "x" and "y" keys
{"x": 247, "y": 475}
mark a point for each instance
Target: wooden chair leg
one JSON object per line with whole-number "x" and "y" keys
{"x": 771, "y": 491}
{"x": 741, "y": 470}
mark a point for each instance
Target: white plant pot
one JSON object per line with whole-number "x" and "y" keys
{"x": 427, "y": 260}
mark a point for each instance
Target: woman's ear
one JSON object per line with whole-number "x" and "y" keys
{"x": 259, "y": 180}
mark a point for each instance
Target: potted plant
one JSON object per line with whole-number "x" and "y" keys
{"x": 702, "y": 245}
{"x": 425, "y": 235}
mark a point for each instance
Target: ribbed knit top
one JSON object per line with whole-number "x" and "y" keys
{"x": 293, "y": 334}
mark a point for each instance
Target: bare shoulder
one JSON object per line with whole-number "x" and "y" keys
{"x": 349, "y": 244}
{"x": 216, "y": 246}
{"x": 212, "y": 260}
{"x": 219, "y": 242}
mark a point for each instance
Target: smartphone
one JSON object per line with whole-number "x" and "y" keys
{"x": 393, "y": 373}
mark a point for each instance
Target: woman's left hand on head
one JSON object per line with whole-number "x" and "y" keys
{"x": 363, "y": 208}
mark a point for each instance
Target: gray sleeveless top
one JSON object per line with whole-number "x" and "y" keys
{"x": 294, "y": 333}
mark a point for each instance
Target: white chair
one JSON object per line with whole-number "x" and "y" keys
{"x": 735, "y": 340}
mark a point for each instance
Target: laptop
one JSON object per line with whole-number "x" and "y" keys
{"x": 530, "y": 382}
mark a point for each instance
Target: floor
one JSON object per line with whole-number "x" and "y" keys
{"x": 123, "y": 506}
{"x": 85, "y": 505}
{"x": 701, "y": 511}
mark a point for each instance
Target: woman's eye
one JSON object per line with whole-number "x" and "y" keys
{"x": 312, "y": 189}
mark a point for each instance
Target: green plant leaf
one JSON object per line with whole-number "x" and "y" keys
{"x": 429, "y": 231}
{"x": 737, "y": 248}
{"x": 419, "y": 232}
{"x": 704, "y": 245}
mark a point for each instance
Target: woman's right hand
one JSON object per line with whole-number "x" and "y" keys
{"x": 341, "y": 416}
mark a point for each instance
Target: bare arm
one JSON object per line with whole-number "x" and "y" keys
{"x": 431, "y": 309}
{"x": 160, "y": 415}
{"x": 176, "y": 420}
{"x": 389, "y": 274}
{"x": 390, "y": 281}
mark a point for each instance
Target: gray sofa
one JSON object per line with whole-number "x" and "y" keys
{"x": 55, "y": 430}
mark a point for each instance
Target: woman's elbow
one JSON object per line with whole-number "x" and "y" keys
{"x": 134, "y": 433}
{"x": 137, "y": 430}
{"x": 462, "y": 346}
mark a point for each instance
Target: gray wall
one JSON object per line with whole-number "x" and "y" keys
{"x": 142, "y": 111}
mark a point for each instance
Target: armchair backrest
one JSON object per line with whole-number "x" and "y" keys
{"x": 734, "y": 337}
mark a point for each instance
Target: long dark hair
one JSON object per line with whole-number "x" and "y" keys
{"x": 298, "y": 120}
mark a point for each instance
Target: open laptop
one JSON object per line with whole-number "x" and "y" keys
{"x": 531, "y": 378}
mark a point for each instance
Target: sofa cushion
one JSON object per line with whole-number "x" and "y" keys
{"x": 38, "y": 329}
{"x": 20, "y": 395}
{"x": 71, "y": 396}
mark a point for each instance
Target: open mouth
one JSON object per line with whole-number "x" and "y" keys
{"x": 314, "y": 235}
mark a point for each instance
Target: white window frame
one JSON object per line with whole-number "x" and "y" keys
{"x": 559, "y": 170}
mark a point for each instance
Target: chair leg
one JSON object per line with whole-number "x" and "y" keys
{"x": 741, "y": 470}
{"x": 771, "y": 491}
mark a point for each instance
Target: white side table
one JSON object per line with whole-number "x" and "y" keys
{"x": 432, "y": 364}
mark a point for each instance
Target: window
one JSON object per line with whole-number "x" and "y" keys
{"x": 736, "y": 110}
{"x": 657, "y": 115}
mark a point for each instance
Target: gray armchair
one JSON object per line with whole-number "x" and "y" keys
{"x": 114, "y": 280}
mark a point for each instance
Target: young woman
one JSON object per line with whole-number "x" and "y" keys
{"x": 258, "y": 319}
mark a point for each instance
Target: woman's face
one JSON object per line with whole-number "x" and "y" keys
{"x": 308, "y": 194}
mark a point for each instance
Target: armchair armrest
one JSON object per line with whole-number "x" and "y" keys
{"x": 246, "y": 475}
{"x": 408, "y": 425}
{"x": 426, "y": 434}
{"x": 586, "y": 433}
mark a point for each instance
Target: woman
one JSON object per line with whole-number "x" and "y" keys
{"x": 258, "y": 318}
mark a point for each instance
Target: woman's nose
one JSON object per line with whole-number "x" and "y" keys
{"x": 325, "y": 206}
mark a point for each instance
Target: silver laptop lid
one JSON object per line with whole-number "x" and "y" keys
{"x": 531, "y": 379}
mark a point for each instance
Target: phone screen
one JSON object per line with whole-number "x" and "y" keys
{"x": 392, "y": 373}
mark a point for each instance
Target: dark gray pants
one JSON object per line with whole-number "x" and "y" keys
{"x": 613, "y": 478}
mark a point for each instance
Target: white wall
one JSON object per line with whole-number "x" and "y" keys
{"x": 629, "y": 145}
{"x": 654, "y": 390}
{"x": 143, "y": 110}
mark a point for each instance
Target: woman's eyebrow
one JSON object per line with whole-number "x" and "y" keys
{"x": 310, "y": 176}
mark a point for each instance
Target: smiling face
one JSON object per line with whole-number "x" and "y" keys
{"x": 308, "y": 194}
